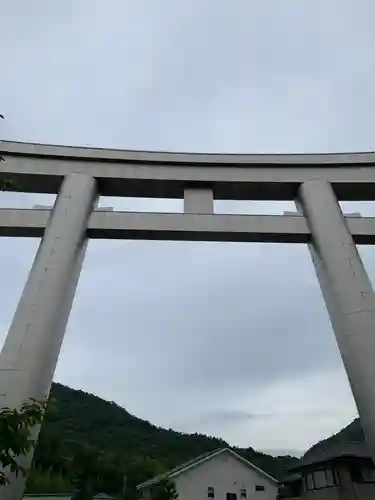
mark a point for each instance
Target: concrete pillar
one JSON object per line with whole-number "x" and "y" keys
{"x": 198, "y": 201}
{"x": 30, "y": 352}
{"x": 348, "y": 294}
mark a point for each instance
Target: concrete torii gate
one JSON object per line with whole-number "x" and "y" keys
{"x": 79, "y": 175}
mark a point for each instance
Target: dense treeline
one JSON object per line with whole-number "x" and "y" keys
{"x": 352, "y": 432}
{"x": 86, "y": 440}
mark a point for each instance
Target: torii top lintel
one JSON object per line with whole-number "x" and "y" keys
{"x": 41, "y": 168}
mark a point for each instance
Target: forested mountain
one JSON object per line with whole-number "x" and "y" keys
{"x": 85, "y": 435}
{"x": 352, "y": 432}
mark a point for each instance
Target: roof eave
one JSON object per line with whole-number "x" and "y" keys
{"x": 173, "y": 473}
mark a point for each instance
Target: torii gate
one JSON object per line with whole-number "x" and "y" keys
{"x": 79, "y": 175}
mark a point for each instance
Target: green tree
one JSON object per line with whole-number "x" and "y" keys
{"x": 87, "y": 464}
{"x": 164, "y": 490}
{"x": 16, "y": 435}
{"x": 125, "y": 446}
{"x": 139, "y": 470}
{"x": 46, "y": 481}
{"x": 86, "y": 492}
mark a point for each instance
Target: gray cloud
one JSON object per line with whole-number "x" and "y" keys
{"x": 175, "y": 331}
{"x": 229, "y": 416}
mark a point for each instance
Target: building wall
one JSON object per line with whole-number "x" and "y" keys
{"x": 364, "y": 491}
{"x": 347, "y": 490}
{"x": 331, "y": 493}
{"x": 356, "y": 492}
{"x": 227, "y": 475}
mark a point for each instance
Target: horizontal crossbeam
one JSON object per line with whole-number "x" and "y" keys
{"x": 189, "y": 227}
{"x": 41, "y": 168}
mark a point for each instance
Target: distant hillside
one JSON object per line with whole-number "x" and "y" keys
{"x": 79, "y": 426}
{"x": 352, "y": 432}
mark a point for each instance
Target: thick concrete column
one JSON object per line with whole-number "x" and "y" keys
{"x": 348, "y": 293}
{"x": 30, "y": 352}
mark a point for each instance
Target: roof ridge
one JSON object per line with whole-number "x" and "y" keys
{"x": 198, "y": 459}
{"x": 188, "y": 463}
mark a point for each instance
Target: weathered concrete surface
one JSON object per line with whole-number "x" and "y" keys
{"x": 29, "y": 356}
{"x": 30, "y": 353}
{"x": 198, "y": 201}
{"x": 106, "y": 224}
{"x": 348, "y": 293}
{"x": 41, "y": 168}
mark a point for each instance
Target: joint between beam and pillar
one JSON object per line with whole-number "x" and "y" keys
{"x": 198, "y": 200}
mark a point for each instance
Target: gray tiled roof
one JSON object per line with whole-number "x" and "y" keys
{"x": 337, "y": 450}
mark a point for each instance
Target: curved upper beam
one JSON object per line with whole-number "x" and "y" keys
{"x": 162, "y": 157}
{"x": 40, "y": 168}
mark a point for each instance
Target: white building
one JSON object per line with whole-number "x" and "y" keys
{"x": 220, "y": 475}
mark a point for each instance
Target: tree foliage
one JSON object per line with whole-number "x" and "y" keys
{"x": 164, "y": 490}
{"x": 352, "y": 432}
{"x": 90, "y": 444}
{"x": 16, "y": 435}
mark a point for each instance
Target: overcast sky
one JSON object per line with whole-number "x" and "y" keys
{"x": 236, "y": 341}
